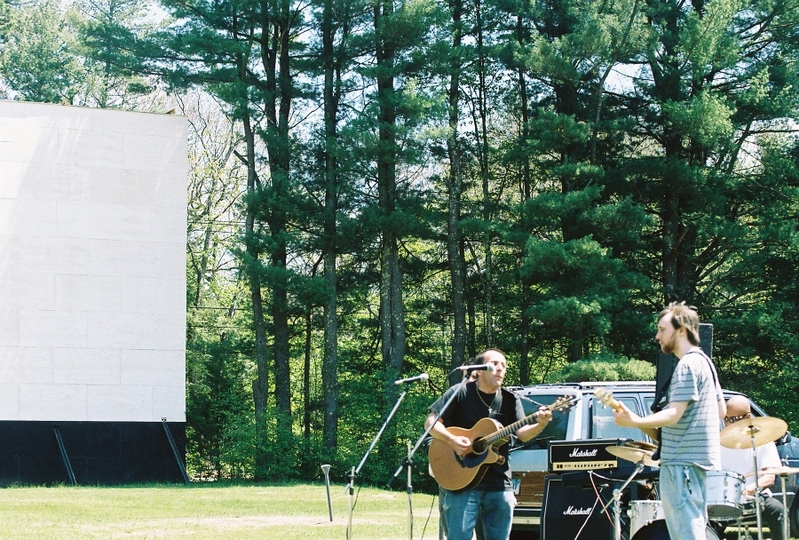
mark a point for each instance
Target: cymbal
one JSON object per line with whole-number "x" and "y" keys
{"x": 641, "y": 445}
{"x": 633, "y": 454}
{"x": 763, "y": 429}
{"x": 779, "y": 471}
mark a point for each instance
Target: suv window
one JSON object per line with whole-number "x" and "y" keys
{"x": 603, "y": 425}
{"x": 556, "y": 429}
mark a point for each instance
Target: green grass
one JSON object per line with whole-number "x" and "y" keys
{"x": 212, "y": 511}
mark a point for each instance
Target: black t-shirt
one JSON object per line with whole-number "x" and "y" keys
{"x": 471, "y": 405}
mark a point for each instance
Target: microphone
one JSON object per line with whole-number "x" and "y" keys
{"x": 420, "y": 377}
{"x": 477, "y": 367}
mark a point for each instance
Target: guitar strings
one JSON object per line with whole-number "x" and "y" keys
{"x": 534, "y": 402}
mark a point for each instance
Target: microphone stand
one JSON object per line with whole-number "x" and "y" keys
{"x": 355, "y": 471}
{"x": 408, "y": 461}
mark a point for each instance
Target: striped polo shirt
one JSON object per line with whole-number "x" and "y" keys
{"x": 695, "y": 438}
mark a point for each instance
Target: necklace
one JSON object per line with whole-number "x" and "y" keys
{"x": 488, "y": 405}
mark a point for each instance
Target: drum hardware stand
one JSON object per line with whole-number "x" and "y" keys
{"x": 616, "y": 501}
{"x": 785, "y": 522}
{"x": 758, "y": 504}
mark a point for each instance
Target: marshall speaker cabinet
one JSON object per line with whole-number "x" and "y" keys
{"x": 574, "y": 513}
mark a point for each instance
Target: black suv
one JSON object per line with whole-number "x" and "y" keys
{"x": 589, "y": 420}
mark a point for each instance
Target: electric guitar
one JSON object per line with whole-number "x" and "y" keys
{"x": 455, "y": 472}
{"x": 606, "y": 398}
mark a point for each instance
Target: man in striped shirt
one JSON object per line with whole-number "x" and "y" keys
{"x": 689, "y": 424}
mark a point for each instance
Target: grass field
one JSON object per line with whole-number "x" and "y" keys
{"x": 212, "y": 511}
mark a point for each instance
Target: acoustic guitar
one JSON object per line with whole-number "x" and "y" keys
{"x": 455, "y": 472}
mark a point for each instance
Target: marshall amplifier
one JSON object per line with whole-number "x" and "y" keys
{"x": 586, "y": 455}
{"x": 574, "y": 513}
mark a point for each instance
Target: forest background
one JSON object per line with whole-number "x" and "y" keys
{"x": 379, "y": 188}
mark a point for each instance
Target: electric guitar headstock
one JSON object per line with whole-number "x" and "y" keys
{"x": 605, "y": 397}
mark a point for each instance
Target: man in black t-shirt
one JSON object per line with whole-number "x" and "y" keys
{"x": 491, "y": 500}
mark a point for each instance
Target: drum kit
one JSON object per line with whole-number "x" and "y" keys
{"x": 727, "y": 503}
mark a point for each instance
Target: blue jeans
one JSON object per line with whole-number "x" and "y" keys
{"x": 463, "y": 509}
{"x": 683, "y": 490}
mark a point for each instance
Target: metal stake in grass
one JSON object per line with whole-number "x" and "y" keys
{"x": 326, "y": 470}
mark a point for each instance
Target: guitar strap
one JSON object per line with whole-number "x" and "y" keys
{"x": 712, "y": 367}
{"x": 656, "y": 455}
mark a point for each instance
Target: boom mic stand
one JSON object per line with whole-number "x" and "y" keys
{"x": 408, "y": 461}
{"x": 351, "y": 485}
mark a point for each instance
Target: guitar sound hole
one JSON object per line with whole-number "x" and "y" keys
{"x": 478, "y": 446}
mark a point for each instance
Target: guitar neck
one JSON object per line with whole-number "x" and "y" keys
{"x": 509, "y": 429}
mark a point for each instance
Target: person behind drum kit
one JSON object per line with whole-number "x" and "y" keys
{"x": 491, "y": 500}
{"x": 688, "y": 425}
{"x": 740, "y": 461}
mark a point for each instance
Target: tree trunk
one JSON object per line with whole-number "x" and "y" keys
{"x": 482, "y": 136}
{"x": 457, "y": 266}
{"x": 306, "y": 376}
{"x": 331, "y": 102}
{"x": 526, "y": 282}
{"x": 260, "y": 386}
{"x": 277, "y": 105}
{"x": 669, "y": 88}
{"x": 392, "y": 324}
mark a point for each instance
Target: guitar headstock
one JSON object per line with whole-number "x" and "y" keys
{"x": 605, "y": 397}
{"x": 563, "y": 403}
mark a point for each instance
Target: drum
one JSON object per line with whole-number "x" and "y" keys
{"x": 793, "y": 516}
{"x": 642, "y": 513}
{"x": 657, "y": 531}
{"x": 725, "y": 495}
